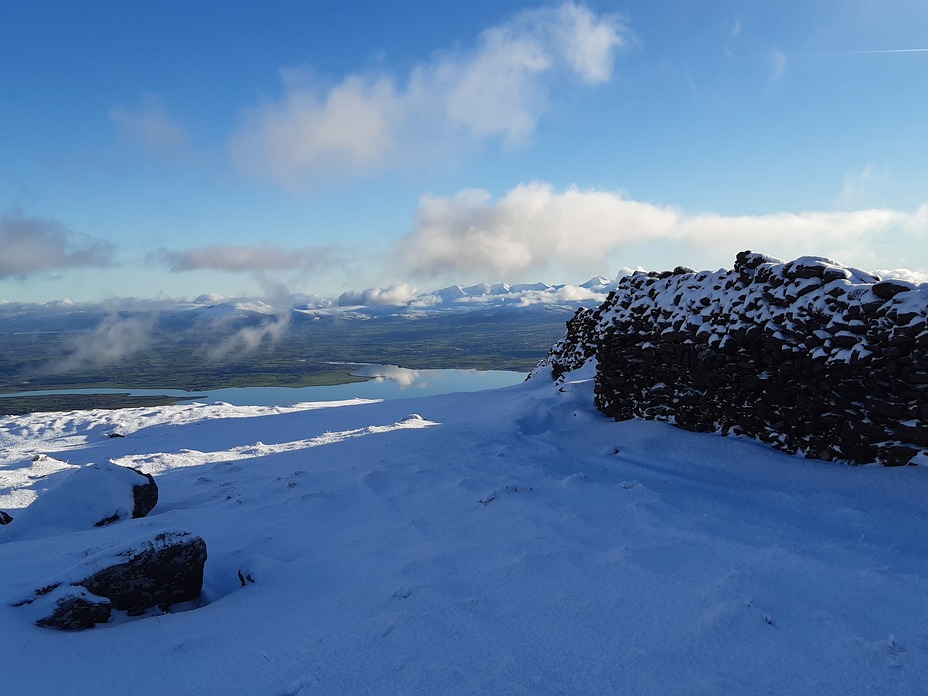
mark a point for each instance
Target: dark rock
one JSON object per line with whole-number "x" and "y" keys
{"x": 145, "y": 495}
{"x": 154, "y": 571}
{"x": 897, "y": 455}
{"x": 71, "y": 607}
{"x": 810, "y": 356}
{"x": 158, "y": 571}
{"x": 913, "y": 434}
{"x": 888, "y": 289}
{"x": 5, "y": 518}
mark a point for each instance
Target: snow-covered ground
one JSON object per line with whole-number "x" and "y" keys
{"x": 507, "y": 542}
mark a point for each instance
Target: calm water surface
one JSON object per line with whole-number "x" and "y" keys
{"x": 385, "y": 382}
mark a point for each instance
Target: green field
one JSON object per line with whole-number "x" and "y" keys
{"x": 178, "y": 356}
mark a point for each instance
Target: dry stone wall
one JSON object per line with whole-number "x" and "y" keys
{"x": 810, "y": 356}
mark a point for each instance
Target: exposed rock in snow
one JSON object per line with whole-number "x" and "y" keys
{"x": 90, "y": 496}
{"x": 153, "y": 571}
{"x": 71, "y": 607}
{"x": 5, "y": 518}
{"x": 144, "y": 495}
{"x": 809, "y": 355}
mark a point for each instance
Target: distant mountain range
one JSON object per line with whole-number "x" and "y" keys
{"x": 397, "y": 300}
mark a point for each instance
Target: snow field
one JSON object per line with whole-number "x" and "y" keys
{"x": 508, "y": 542}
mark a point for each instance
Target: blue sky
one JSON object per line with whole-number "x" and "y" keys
{"x": 178, "y": 148}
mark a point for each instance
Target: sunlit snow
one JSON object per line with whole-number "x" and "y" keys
{"x": 508, "y": 542}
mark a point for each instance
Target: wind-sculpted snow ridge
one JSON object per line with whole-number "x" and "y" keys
{"x": 808, "y": 355}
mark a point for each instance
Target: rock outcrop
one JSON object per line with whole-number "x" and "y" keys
{"x": 72, "y": 607}
{"x": 153, "y": 571}
{"x": 5, "y": 518}
{"x": 144, "y": 495}
{"x": 809, "y": 356}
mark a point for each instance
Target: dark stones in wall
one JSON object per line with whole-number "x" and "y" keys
{"x": 809, "y": 355}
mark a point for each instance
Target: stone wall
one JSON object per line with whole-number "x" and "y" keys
{"x": 809, "y": 356}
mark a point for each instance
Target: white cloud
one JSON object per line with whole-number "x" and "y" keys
{"x": 496, "y": 89}
{"x": 30, "y": 245}
{"x": 586, "y": 40}
{"x": 534, "y": 229}
{"x": 348, "y": 129}
{"x": 149, "y": 124}
{"x": 914, "y": 277}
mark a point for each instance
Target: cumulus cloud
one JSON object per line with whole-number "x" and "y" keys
{"x": 914, "y": 277}
{"x": 534, "y": 228}
{"x": 149, "y": 124}
{"x": 114, "y": 340}
{"x": 494, "y": 89}
{"x": 245, "y": 258}
{"x": 349, "y": 128}
{"x": 30, "y": 245}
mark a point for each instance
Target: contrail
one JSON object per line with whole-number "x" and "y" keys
{"x": 878, "y": 50}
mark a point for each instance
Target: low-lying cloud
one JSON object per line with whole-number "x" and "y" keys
{"x": 394, "y": 295}
{"x": 496, "y": 89}
{"x": 250, "y": 339}
{"x": 535, "y": 229}
{"x": 30, "y": 245}
{"x": 115, "y": 340}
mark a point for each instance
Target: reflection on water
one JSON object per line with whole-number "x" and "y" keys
{"x": 402, "y": 376}
{"x": 386, "y": 382}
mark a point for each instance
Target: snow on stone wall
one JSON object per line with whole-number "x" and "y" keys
{"x": 809, "y": 356}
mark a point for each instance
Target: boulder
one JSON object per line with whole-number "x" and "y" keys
{"x": 5, "y": 518}
{"x": 888, "y": 289}
{"x": 157, "y": 570}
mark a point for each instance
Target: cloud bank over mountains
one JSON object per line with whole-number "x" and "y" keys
{"x": 535, "y": 229}
{"x": 531, "y": 231}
